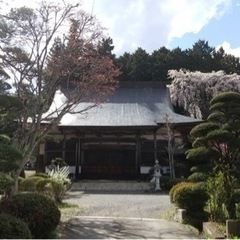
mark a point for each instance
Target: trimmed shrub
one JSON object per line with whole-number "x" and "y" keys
{"x": 175, "y": 188}
{"x": 172, "y": 182}
{"x": 5, "y": 181}
{"x": 198, "y": 177}
{"x": 13, "y": 228}
{"x": 43, "y": 175}
{"x": 43, "y": 185}
{"x": 192, "y": 197}
{"x": 39, "y": 212}
{"x": 59, "y": 189}
{"x": 29, "y": 184}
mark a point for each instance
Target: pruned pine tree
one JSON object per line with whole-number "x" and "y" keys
{"x": 217, "y": 145}
{"x": 10, "y": 156}
{"x": 74, "y": 63}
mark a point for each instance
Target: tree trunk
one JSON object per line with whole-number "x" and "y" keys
{"x": 15, "y": 175}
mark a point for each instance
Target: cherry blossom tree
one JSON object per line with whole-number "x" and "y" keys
{"x": 42, "y": 61}
{"x": 193, "y": 91}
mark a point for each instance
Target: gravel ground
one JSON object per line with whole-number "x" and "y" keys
{"x": 122, "y": 215}
{"x": 110, "y": 204}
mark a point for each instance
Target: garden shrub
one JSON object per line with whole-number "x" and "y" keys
{"x": 198, "y": 177}
{"x": 174, "y": 189}
{"x": 192, "y": 197}
{"x": 60, "y": 182}
{"x": 43, "y": 185}
{"x": 29, "y": 184}
{"x": 59, "y": 189}
{"x": 13, "y": 228}
{"x": 40, "y": 174}
{"x": 39, "y": 212}
{"x": 172, "y": 182}
{"x": 5, "y": 181}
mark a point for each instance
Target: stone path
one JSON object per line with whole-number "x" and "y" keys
{"x": 125, "y": 228}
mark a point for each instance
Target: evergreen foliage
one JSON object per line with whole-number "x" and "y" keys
{"x": 10, "y": 157}
{"x": 141, "y": 66}
{"x": 219, "y": 150}
{"x": 39, "y": 212}
{"x": 13, "y": 228}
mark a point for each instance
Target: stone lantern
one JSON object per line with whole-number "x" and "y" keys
{"x": 157, "y": 175}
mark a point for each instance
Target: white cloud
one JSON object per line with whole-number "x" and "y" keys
{"x": 151, "y": 24}
{"x": 228, "y": 49}
{"x": 191, "y": 16}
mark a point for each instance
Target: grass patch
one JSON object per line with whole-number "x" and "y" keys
{"x": 168, "y": 214}
{"x": 68, "y": 211}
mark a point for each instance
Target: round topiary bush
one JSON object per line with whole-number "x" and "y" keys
{"x": 43, "y": 185}
{"x": 175, "y": 188}
{"x": 29, "y": 184}
{"x": 192, "y": 197}
{"x": 13, "y": 228}
{"x": 174, "y": 181}
{"x": 39, "y": 212}
{"x": 40, "y": 174}
{"x": 5, "y": 182}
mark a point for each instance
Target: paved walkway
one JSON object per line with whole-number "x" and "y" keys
{"x": 124, "y": 213}
{"x": 125, "y": 228}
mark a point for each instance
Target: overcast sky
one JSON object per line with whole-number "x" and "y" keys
{"x": 151, "y": 24}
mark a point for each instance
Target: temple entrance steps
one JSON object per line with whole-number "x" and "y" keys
{"x": 111, "y": 185}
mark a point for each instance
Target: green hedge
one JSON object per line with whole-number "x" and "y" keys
{"x": 39, "y": 212}
{"x": 175, "y": 188}
{"x": 40, "y": 174}
{"x": 29, "y": 184}
{"x": 174, "y": 181}
{"x": 190, "y": 196}
{"x": 13, "y": 228}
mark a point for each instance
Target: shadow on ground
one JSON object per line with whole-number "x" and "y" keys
{"x": 123, "y": 228}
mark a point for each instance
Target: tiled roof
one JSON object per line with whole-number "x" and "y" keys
{"x": 130, "y": 105}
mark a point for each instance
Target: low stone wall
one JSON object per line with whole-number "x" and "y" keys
{"x": 232, "y": 228}
{"x": 210, "y": 229}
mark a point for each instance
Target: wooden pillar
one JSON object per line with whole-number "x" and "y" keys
{"x": 155, "y": 145}
{"x": 64, "y": 147}
{"x": 40, "y": 164}
{"x": 78, "y": 157}
{"x": 137, "y": 156}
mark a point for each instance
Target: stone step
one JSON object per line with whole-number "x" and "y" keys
{"x": 105, "y": 185}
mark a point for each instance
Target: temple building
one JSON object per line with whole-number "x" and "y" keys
{"x": 120, "y": 138}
